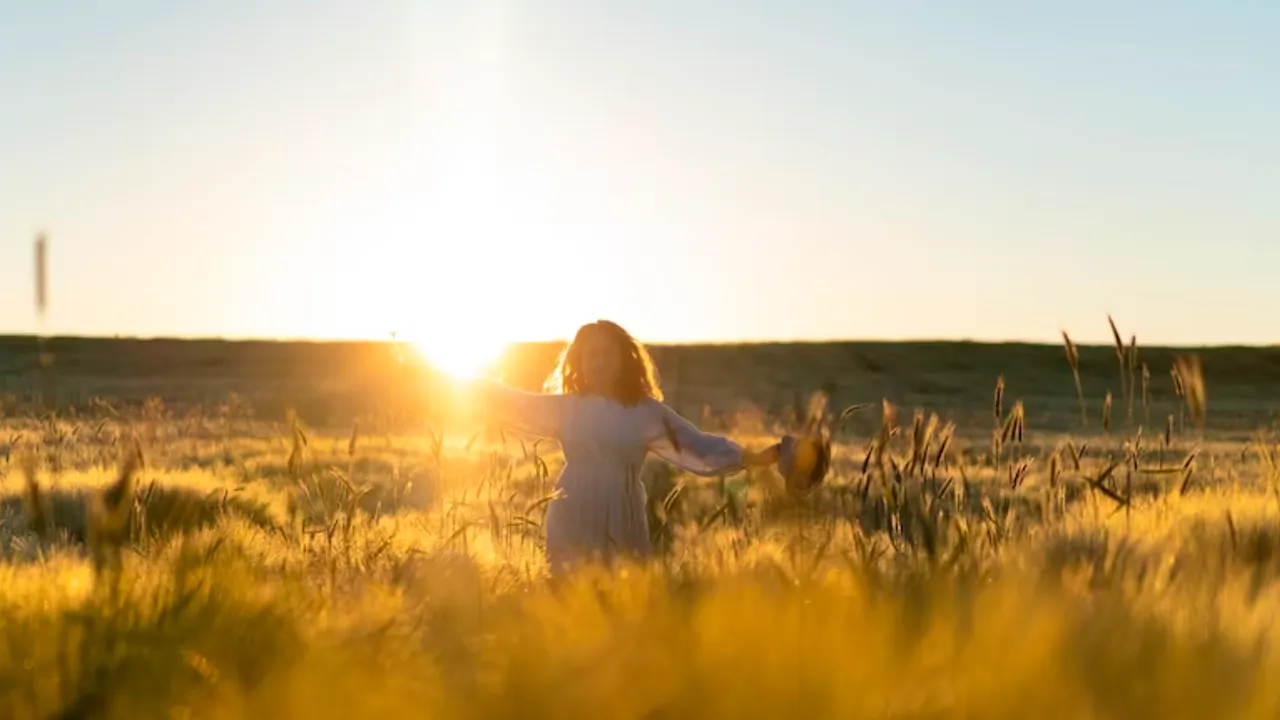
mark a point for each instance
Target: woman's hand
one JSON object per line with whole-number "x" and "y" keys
{"x": 762, "y": 458}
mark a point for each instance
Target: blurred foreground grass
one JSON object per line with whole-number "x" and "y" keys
{"x": 274, "y": 574}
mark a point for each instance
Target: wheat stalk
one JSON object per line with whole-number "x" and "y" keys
{"x": 1106, "y": 413}
{"x": 1132, "y": 365}
{"x": 1120, "y": 357}
{"x": 1146, "y": 395}
{"x": 1073, "y": 359}
{"x": 109, "y": 511}
{"x": 1190, "y": 375}
{"x": 998, "y": 400}
{"x": 34, "y": 501}
{"x": 1179, "y": 392}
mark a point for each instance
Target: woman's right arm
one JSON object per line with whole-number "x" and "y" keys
{"x": 537, "y": 414}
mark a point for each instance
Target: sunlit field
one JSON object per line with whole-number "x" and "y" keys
{"x": 228, "y": 562}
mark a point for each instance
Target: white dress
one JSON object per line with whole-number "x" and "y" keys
{"x": 600, "y": 511}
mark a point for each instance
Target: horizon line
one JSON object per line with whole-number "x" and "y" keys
{"x": 300, "y": 340}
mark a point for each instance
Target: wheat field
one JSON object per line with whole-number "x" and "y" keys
{"x": 222, "y": 562}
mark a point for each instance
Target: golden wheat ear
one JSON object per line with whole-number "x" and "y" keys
{"x": 115, "y": 494}
{"x": 816, "y": 418}
{"x": 34, "y": 502}
{"x": 109, "y": 512}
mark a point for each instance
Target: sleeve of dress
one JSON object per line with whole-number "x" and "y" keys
{"x": 535, "y": 414}
{"x": 679, "y": 442}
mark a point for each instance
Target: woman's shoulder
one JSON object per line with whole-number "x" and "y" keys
{"x": 655, "y": 413}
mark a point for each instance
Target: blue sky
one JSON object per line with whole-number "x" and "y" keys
{"x": 489, "y": 171}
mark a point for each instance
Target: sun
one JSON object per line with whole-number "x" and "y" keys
{"x": 462, "y": 356}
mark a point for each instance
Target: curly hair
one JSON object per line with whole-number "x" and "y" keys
{"x": 637, "y": 378}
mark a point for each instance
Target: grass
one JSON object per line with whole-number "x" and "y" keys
{"x": 217, "y": 563}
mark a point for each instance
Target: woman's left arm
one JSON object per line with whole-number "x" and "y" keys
{"x": 679, "y": 442}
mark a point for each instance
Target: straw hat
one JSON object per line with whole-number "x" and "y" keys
{"x": 804, "y": 459}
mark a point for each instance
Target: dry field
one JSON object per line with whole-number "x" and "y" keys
{"x": 980, "y": 549}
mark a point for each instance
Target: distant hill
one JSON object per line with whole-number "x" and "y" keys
{"x": 336, "y": 380}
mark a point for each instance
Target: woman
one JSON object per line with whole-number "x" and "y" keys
{"x": 607, "y": 414}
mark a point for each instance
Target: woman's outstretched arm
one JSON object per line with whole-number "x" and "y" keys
{"x": 537, "y": 414}
{"x": 679, "y": 442}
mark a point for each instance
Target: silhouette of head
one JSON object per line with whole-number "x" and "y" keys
{"x": 605, "y": 360}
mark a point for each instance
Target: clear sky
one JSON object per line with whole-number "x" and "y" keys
{"x": 488, "y": 171}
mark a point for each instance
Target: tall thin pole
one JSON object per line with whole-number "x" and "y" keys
{"x": 42, "y": 303}
{"x": 42, "y": 296}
